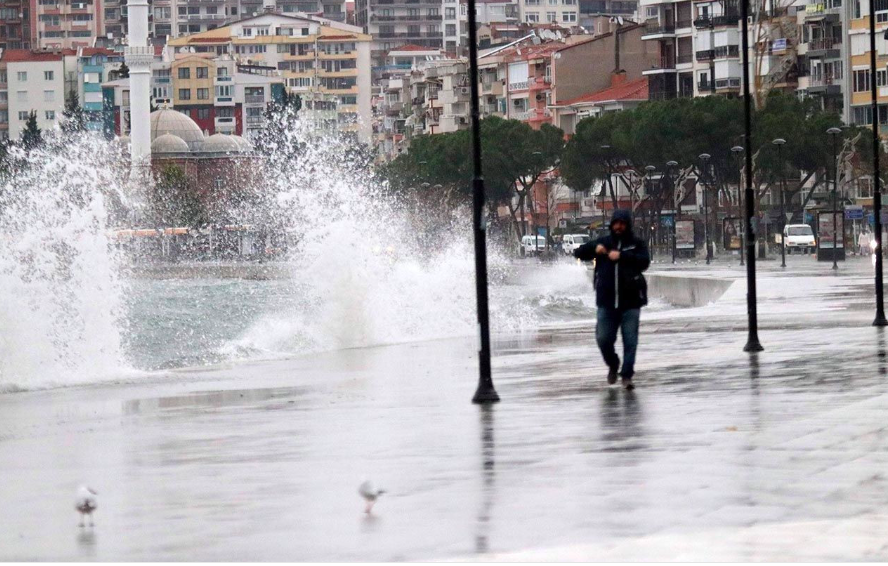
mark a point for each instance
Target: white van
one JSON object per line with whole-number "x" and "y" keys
{"x": 799, "y": 237}
{"x": 571, "y": 242}
{"x": 532, "y": 245}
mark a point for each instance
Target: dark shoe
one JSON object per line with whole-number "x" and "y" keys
{"x": 627, "y": 383}
{"x": 612, "y": 376}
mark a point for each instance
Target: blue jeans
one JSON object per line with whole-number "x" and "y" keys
{"x": 609, "y": 322}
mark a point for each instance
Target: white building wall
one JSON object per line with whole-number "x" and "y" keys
{"x": 34, "y": 91}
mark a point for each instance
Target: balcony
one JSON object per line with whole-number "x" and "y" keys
{"x": 520, "y": 85}
{"x": 223, "y": 101}
{"x": 705, "y": 55}
{"x": 727, "y": 83}
{"x": 726, "y": 20}
{"x": 223, "y": 79}
{"x": 703, "y": 22}
{"x": 254, "y": 99}
{"x": 417, "y": 18}
{"x": 666, "y": 63}
{"x": 726, "y": 51}
{"x": 684, "y": 58}
{"x": 206, "y": 17}
{"x": 682, "y": 24}
{"x": 825, "y": 85}
{"x": 655, "y": 27}
{"x": 825, "y": 47}
{"x": 492, "y": 88}
{"x": 539, "y": 83}
{"x": 661, "y": 95}
{"x": 705, "y": 86}
{"x": 408, "y": 35}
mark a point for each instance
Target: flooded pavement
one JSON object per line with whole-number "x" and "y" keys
{"x": 718, "y": 455}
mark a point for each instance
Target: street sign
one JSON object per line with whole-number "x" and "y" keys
{"x": 788, "y": 216}
{"x": 854, "y": 212}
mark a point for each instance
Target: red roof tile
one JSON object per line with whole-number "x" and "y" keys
{"x": 90, "y": 51}
{"x": 632, "y": 90}
{"x": 411, "y": 47}
{"x": 24, "y": 55}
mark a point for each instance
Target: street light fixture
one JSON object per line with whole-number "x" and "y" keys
{"x": 670, "y": 167}
{"x": 834, "y": 133}
{"x": 607, "y": 181}
{"x": 877, "y": 190}
{"x": 737, "y": 150}
{"x": 649, "y": 169}
{"x": 779, "y": 142}
{"x": 704, "y": 158}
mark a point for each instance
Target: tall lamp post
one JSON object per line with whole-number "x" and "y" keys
{"x": 834, "y": 134}
{"x": 649, "y": 170}
{"x": 779, "y": 142}
{"x": 670, "y": 167}
{"x": 752, "y": 342}
{"x": 607, "y": 180}
{"x": 737, "y": 150}
{"x": 485, "y": 392}
{"x": 704, "y": 158}
{"x": 877, "y": 190}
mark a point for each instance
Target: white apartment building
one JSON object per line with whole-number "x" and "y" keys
{"x": 565, "y": 13}
{"x": 37, "y": 82}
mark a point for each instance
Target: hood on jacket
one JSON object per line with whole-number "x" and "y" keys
{"x": 625, "y": 216}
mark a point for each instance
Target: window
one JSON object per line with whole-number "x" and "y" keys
{"x": 50, "y": 114}
{"x": 551, "y": 17}
{"x": 225, "y": 112}
{"x": 203, "y": 113}
{"x": 23, "y": 115}
{"x": 569, "y": 17}
{"x": 3, "y": 77}
{"x": 413, "y": 12}
{"x": 223, "y": 90}
{"x": 193, "y": 10}
{"x": 203, "y": 94}
{"x": 882, "y": 77}
{"x": 212, "y": 10}
{"x": 450, "y": 29}
{"x": 413, "y": 30}
{"x": 450, "y": 13}
{"x": 184, "y": 94}
{"x": 532, "y": 17}
{"x": 184, "y": 73}
{"x": 22, "y": 76}
{"x": 48, "y": 75}
{"x": 434, "y": 12}
{"x": 183, "y": 10}
{"x": 203, "y": 72}
{"x": 48, "y": 96}
{"x": 862, "y": 81}
{"x": 435, "y": 29}
{"x": 22, "y": 96}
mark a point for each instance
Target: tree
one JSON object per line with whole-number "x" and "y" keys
{"x": 73, "y": 114}
{"x": 32, "y": 137}
{"x": 174, "y": 202}
{"x": 123, "y": 72}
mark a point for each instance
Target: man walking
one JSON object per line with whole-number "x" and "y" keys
{"x": 620, "y": 292}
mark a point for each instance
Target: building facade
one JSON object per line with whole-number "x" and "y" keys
{"x": 392, "y": 23}
{"x": 36, "y": 82}
{"x": 326, "y": 63}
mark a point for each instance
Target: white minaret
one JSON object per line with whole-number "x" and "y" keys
{"x": 139, "y": 56}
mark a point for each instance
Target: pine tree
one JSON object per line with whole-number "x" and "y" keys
{"x": 123, "y": 71}
{"x": 31, "y": 135}
{"x": 75, "y": 116}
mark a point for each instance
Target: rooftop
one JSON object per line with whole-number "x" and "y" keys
{"x": 631, "y": 90}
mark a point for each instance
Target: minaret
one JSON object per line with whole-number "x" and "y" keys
{"x": 139, "y": 56}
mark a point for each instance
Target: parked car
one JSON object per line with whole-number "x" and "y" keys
{"x": 532, "y": 245}
{"x": 799, "y": 237}
{"x": 570, "y": 242}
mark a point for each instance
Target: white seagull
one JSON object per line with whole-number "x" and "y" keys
{"x": 370, "y": 494}
{"x": 86, "y": 503}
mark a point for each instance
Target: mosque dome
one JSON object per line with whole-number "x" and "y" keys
{"x": 220, "y": 143}
{"x": 168, "y": 143}
{"x": 244, "y": 143}
{"x": 165, "y": 121}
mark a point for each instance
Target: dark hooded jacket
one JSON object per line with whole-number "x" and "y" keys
{"x": 619, "y": 284}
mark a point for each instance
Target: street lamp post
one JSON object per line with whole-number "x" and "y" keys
{"x": 834, "y": 133}
{"x": 485, "y": 393}
{"x": 704, "y": 158}
{"x": 649, "y": 169}
{"x": 752, "y": 342}
{"x": 877, "y": 190}
{"x": 607, "y": 181}
{"x": 670, "y": 167}
{"x": 737, "y": 150}
{"x": 779, "y": 143}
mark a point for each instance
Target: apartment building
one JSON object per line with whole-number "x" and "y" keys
{"x": 392, "y": 23}
{"x": 823, "y": 53}
{"x": 326, "y": 63}
{"x": 65, "y": 24}
{"x": 214, "y": 92}
{"x": 94, "y": 64}
{"x": 565, "y": 13}
{"x": 594, "y": 13}
{"x": 15, "y": 24}
{"x": 38, "y": 82}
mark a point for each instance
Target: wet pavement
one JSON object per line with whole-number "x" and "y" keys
{"x": 718, "y": 455}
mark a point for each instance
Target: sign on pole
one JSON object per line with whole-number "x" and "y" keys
{"x": 684, "y": 235}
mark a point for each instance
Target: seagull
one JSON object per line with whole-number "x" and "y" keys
{"x": 370, "y": 494}
{"x": 86, "y": 503}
